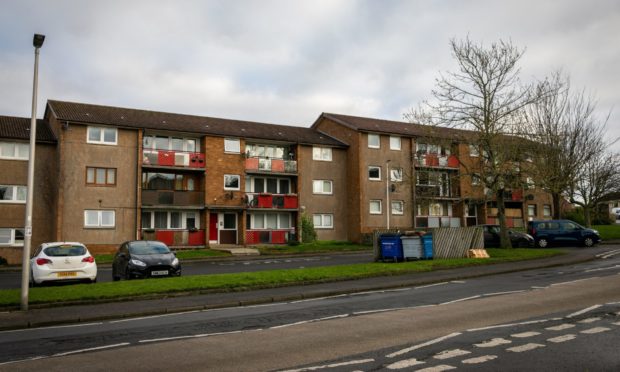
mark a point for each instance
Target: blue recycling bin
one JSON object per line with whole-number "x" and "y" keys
{"x": 391, "y": 247}
{"x": 427, "y": 244}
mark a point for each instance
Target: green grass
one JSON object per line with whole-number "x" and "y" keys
{"x": 254, "y": 280}
{"x": 315, "y": 247}
{"x": 608, "y": 232}
{"x": 182, "y": 255}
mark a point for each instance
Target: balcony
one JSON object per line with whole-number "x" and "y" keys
{"x": 264, "y": 165}
{"x": 173, "y": 198}
{"x": 435, "y": 192}
{"x": 269, "y": 236}
{"x": 437, "y": 161}
{"x": 175, "y": 237}
{"x": 271, "y": 201}
{"x": 169, "y": 158}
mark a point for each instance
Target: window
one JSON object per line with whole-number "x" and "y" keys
{"x": 475, "y": 179}
{"x": 14, "y": 150}
{"x": 323, "y": 221}
{"x": 396, "y": 175}
{"x": 170, "y": 220}
{"x": 374, "y": 141}
{"x": 529, "y": 183}
{"x": 322, "y": 187}
{"x": 436, "y": 209}
{"x": 547, "y": 210}
{"x": 473, "y": 151}
{"x": 169, "y": 143}
{"x": 102, "y": 136}
{"x": 398, "y": 207}
{"x": 394, "y": 143}
{"x": 12, "y": 194}
{"x": 99, "y": 218}
{"x": 100, "y": 176}
{"x": 232, "y": 145}
{"x": 374, "y": 173}
{"x": 11, "y": 236}
{"x": 257, "y": 221}
{"x": 322, "y": 153}
{"x": 531, "y": 210}
{"x": 231, "y": 182}
{"x": 267, "y": 151}
{"x": 375, "y": 207}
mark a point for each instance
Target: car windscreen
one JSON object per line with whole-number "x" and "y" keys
{"x": 65, "y": 251}
{"x": 145, "y": 248}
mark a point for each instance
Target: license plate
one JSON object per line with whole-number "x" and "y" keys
{"x": 66, "y": 274}
{"x": 159, "y": 272}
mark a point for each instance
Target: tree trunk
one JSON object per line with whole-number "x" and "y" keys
{"x": 504, "y": 238}
{"x": 586, "y": 216}
{"x": 557, "y": 205}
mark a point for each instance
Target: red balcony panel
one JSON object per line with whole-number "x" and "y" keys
{"x": 197, "y": 160}
{"x": 265, "y": 201}
{"x": 517, "y": 195}
{"x": 453, "y": 161}
{"x": 510, "y": 223}
{"x": 166, "y": 237}
{"x": 290, "y": 201}
{"x": 165, "y": 158}
{"x": 278, "y": 237}
{"x": 251, "y": 163}
{"x": 432, "y": 160}
{"x": 196, "y": 238}
{"x": 277, "y": 165}
{"x": 252, "y": 237}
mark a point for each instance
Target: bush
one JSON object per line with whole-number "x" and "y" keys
{"x": 576, "y": 215}
{"x": 308, "y": 233}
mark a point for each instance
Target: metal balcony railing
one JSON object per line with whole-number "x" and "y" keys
{"x": 173, "y": 198}
{"x": 169, "y": 158}
{"x": 271, "y": 165}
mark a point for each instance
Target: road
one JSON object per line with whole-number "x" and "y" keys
{"x": 575, "y": 308}
{"x": 12, "y": 278}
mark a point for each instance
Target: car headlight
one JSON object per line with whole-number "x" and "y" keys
{"x": 529, "y": 237}
{"x": 175, "y": 262}
{"x": 137, "y": 262}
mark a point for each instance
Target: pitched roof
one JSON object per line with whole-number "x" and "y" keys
{"x": 398, "y": 127}
{"x": 133, "y": 118}
{"x": 19, "y": 128}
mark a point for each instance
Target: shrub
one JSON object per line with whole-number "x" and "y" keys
{"x": 308, "y": 233}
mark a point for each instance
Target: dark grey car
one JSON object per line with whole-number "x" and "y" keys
{"x": 144, "y": 259}
{"x": 517, "y": 239}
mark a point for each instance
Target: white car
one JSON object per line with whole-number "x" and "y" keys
{"x": 61, "y": 261}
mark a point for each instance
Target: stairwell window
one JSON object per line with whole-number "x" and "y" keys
{"x": 100, "y": 176}
{"x": 322, "y": 153}
{"x": 398, "y": 207}
{"x": 394, "y": 143}
{"x": 322, "y": 187}
{"x": 102, "y": 135}
{"x": 232, "y": 182}
{"x": 374, "y": 141}
{"x": 374, "y": 173}
{"x": 12, "y": 194}
{"x": 232, "y": 145}
{"x": 14, "y": 150}
{"x": 323, "y": 221}
{"x": 375, "y": 207}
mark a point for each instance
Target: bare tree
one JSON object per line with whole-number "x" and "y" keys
{"x": 599, "y": 177}
{"x": 486, "y": 96}
{"x": 569, "y": 136}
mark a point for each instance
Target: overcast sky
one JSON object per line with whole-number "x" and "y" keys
{"x": 285, "y": 62}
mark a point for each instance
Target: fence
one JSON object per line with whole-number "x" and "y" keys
{"x": 455, "y": 242}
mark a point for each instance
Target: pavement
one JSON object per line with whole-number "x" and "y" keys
{"x": 89, "y": 312}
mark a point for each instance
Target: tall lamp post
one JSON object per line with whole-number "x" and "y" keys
{"x": 388, "y": 207}
{"x": 37, "y": 42}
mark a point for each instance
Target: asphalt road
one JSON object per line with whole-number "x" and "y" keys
{"x": 352, "y": 328}
{"x": 12, "y": 278}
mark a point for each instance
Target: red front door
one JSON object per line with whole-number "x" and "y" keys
{"x": 213, "y": 227}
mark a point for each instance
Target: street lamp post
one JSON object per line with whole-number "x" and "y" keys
{"x": 388, "y": 207}
{"x": 37, "y": 42}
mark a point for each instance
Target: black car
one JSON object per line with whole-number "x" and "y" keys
{"x": 517, "y": 239}
{"x": 562, "y": 232}
{"x": 144, "y": 259}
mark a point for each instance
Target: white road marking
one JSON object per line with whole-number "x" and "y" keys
{"x": 573, "y": 281}
{"x": 512, "y": 324}
{"x": 595, "y": 330}
{"x": 91, "y": 349}
{"x": 457, "y": 281}
{"x": 616, "y": 323}
{"x": 440, "y": 368}
{"x": 415, "y": 347}
{"x": 460, "y": 300}
{"x": 478, "y": 360}
{"x": 311, "y": 321}
{"x": 23, "y": 360}
{"x": 193, "y": 336}
{"x": 560, "y": 327}
{"x": 404, "y": 364}
{"x": 152, "y": 317}
{"x": 333, "y": 365}
{"x": 525, "y": 334}
{"x": 589, "y": 320}
{"x": 431, "y": 285}
{"x": 502, "y": 293}
{"x": 494, "y": 342}
{"x": 608, "y": 254}
{"x": 447, "y": 354}
{"x": 603, "y": 268}
{"x": 580, "y": 312}
{"x": 564, "y": 338}
{"x": 526, "y": 347}
{"x": 51, "y": 327}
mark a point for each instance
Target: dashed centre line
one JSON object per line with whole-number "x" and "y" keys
{"x": 589, "y": 320}
{"x": 447, "y": 354}
{"x": 440, "y": 368}
{"x": 404, "y": 364}
{"x": 494, "y": 342}
{"x": 526, "y": 347}
{"x": 560, "y": 327}
{"x": 525, "y": 334}
{"x": 564, "y": 338}
{"x": 594, "y": 330}
{"x": 478, "y": 360}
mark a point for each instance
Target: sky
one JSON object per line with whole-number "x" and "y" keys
{"x": 285, "y": 62}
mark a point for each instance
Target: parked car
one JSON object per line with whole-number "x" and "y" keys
{"x": 62, "y": 261}
{"x": 562, "y": 232}
{"x": 144, "y": 259}
{"x": 518, "y": 239}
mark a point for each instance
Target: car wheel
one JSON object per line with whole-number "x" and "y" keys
{"x": 127, "y": 275}
{"x": 93, "y": 281}
{"x": 588, "y": 242}
{"x": 543, "y": 242}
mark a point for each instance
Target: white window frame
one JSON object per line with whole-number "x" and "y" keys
{"x": 546, "y": 210}
{"x": 476, "y": 180}
{"x": 398, "y": 172}
{"x": 16, "y": 146}
{"x": 402, "y": 207}
{"x": 184, "y": 216}
{"x": 532, "y": 208}
{"x": 11, "y": 242}
{"x": 232, "y": 145}
{"x": 238, "y": 181}
{"x": 101, "y": 140}
{"x": 322, "y": 183}
{"x": 322, "y": 153}
{"x": 395, "y": 143}
{"x": 372, "y": 146}
{"x": 169, "y": 147}
{"x": 100, "y": 213}
{"x": 14, "y": 200}
{"x": 474, "y": 152}
{"x": 322, "y": 218}
{"x": 379, "y": 202}
{"x": 374, "y": 178}
{"x": 262, "y": 216}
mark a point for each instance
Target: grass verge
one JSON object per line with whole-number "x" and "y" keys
{"x": 608, "y": 232}
{"x": 255, "y": 280}
{"x": 315, "y": 247}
